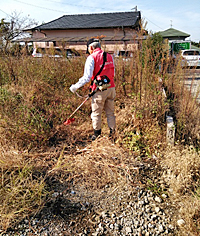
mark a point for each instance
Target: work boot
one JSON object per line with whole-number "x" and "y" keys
{"x": 96, "y": 134}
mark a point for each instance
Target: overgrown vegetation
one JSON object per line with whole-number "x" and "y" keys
{"x": 35, "y": 101}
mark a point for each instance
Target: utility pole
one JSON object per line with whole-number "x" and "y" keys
{"x": 135, "y": 8}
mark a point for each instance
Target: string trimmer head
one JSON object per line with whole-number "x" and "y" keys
{"x": 69, "y": 121}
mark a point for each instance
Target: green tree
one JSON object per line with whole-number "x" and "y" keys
{"x": 155, "y": 48}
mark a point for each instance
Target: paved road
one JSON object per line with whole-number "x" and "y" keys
{"x": 192, "y": 78}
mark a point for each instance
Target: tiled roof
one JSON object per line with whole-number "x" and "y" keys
{"x": 73, "y": 39}
{"x": 173, "y": 33}
{"x": 100, "y": 20}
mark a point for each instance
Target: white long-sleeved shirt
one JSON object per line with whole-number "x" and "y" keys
{"x": 88, "y": 72}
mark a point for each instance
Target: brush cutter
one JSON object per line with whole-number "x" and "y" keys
{"x": 70, "y": 119}
{"x": 101, "y": 88}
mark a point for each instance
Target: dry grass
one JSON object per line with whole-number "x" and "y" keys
{"x": 100, "y": 163}
{"x": 182, "y": 170}
{"x": 141, "y": 130}
{"x": 35, "y": 101}
{"x": 22, "y": 191}
{"x": 189, "y": 211}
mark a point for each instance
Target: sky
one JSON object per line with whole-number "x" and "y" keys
{"x": 183, "y": 15}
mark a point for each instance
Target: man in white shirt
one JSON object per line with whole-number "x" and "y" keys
{"x": 94, "y": 71}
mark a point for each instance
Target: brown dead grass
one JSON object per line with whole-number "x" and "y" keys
{"x": 182, "y": 170}
{"x": 21, "y": 191}
{"x": 39, "y": 92}
{"x": 98, "y": 164}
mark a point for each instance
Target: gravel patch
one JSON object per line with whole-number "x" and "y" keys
{"x": 129, "y": 211}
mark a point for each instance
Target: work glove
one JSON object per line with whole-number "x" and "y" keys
{"x": 73, "y": 88}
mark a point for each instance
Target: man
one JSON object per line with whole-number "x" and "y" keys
{"x": 101, "y": 99}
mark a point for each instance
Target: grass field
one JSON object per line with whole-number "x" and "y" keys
{"x": 35, "y": 100}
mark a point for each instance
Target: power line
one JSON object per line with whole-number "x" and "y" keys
{"x": 5, "y": 12}
{"x": 76, "y": 5}
{"x": 39, "y": 6}
{"x": 153, "y": 23}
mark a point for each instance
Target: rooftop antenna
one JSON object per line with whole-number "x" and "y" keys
{"x": 135, "y": 8}
{"x": 171, "y": 23}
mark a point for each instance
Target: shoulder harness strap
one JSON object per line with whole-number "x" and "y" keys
{"x": 99, "y": 72}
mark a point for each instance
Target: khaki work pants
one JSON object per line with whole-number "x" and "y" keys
{"x": 103, "y": 100}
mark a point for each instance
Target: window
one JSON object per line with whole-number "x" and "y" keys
{"x": 191, "y": 53}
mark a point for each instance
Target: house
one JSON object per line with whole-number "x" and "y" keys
{"x": 173, "y": 34}
{"x": 175, "y": 40}
{"x": 118, "y": 31}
